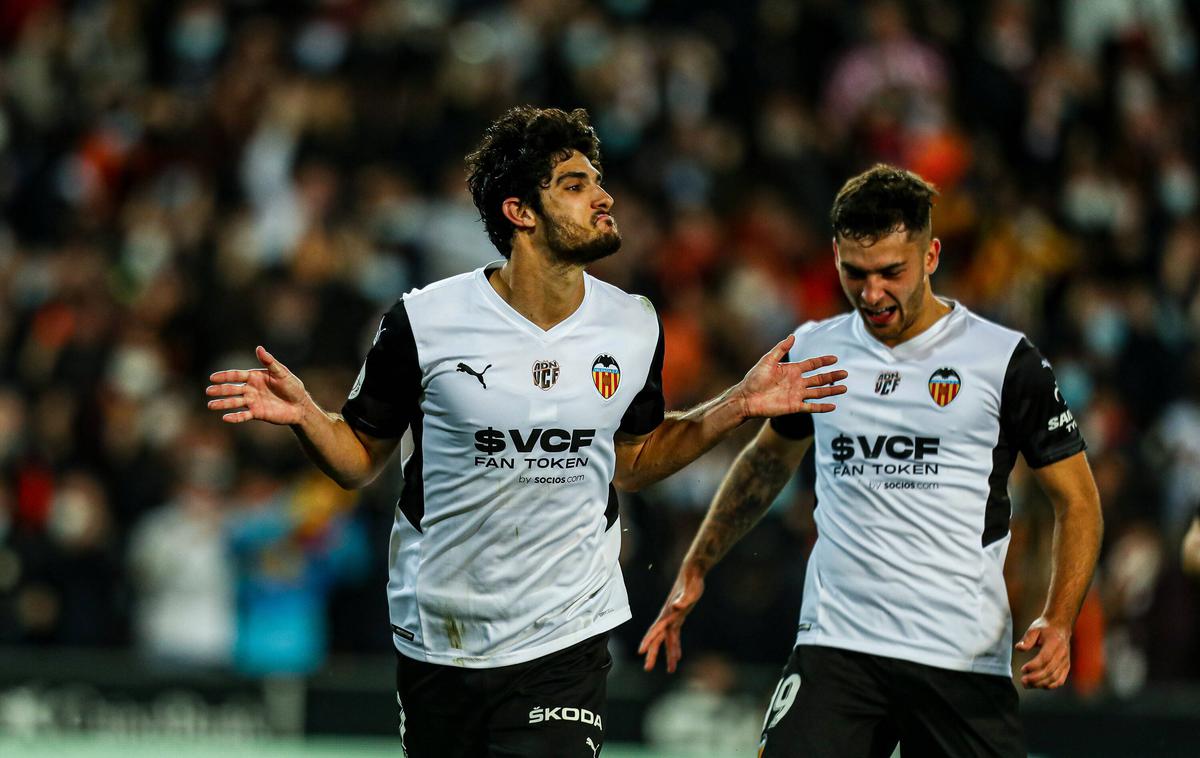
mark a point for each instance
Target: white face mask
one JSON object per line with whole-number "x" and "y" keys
{"x": 136, "y": 371}
{"x": 72, "y": 518}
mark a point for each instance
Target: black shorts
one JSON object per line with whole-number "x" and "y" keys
{"x": 548, "y": 707}
{"x": 833, "y": 703}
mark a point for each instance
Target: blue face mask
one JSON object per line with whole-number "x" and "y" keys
{"x": 1177, "y": 190}
{"x": 1074, "y": 383}
{"x": 1106, "y": 332}
{"x": 198, "y": 36}
{"x": 321, "y": 46}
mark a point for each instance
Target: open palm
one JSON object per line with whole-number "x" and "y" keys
{"x": 772, "y": 388}
{"x": 271, "y": 393}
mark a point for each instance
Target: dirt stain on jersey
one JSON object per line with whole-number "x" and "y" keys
{"x": 454, "y": 631}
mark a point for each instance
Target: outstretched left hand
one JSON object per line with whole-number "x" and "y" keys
{"x": 772, "y": 388}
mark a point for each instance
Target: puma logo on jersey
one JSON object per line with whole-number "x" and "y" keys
{"x": 477, "y": 374}
{"x": 595, "y": 748}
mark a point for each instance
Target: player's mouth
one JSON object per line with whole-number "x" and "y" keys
{"x": 880, "y": 316}
{"x": 603, "y": 217}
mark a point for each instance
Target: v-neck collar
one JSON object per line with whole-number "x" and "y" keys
{"x": 507, "y": 311}
{"x": 908, "y": 347}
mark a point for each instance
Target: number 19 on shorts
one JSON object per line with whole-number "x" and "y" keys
{"x": 781, "y": 702}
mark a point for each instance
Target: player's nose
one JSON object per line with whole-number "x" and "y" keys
{"x": 603, "y": 201}
{"x": 872, "y": 291}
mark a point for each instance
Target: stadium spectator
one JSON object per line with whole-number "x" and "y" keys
{"x": 181, "y": 568}
{"x": 291, "y": 543}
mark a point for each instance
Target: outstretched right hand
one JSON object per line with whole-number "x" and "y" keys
{"x": 689, "y": 586}
{"x": 271, "y": 393}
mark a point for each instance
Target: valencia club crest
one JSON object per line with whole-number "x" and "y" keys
{"x": 944, "y": 385}
{"x": 606, "y": 375}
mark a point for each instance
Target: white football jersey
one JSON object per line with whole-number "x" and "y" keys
{"x": 911, "y": 484}
{"x": 505, "y": 542}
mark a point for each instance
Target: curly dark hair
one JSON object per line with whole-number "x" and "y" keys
{"x": 882, "y": 200}
{"x": 516, "y": 157}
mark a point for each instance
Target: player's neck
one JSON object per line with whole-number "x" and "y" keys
{"x": 544, "y": 292}
{"x": 932, "y": 311}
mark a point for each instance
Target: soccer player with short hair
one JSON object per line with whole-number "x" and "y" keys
{"x": 530, "y": 389}
{"x": 905, "y": 631}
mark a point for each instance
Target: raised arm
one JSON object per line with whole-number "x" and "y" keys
{"x": 770, "y": 388}
{"x": 276, "y": 395}
{"x": 752, "y": 484}
{"x": 1078, "y": 526}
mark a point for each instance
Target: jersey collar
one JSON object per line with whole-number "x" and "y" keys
{"x": 917, "y": 344}
{"x": 501, "y": 306}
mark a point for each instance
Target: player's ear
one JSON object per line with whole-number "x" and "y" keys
{"x": 518, "y": 213}
{"x": 933, "y": 255}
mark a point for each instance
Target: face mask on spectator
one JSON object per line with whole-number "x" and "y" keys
{"x": 1177, "y": 190}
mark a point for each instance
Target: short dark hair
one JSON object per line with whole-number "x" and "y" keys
{"x": 882, "y": 200}
{"x": 516, "y": 157}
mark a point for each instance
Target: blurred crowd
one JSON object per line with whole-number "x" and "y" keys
{"x": 180, "y": 181}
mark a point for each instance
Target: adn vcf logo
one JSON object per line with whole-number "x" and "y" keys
{"x": 545, "y": 374}
{"x": 887, "y": 382}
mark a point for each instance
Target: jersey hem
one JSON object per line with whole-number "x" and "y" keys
{"x": 906, "y": 654}
{"x": 609, "y": 622}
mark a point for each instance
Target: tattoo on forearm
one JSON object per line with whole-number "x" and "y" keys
{"x": 752, "y": 485}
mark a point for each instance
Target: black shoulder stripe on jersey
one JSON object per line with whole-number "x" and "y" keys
{"x": 613, "y": 509}
{"x": 1034, "y": 420}
{"x": 794, "y": 426}
{"x": 648, "y": 406}
{"x": 998, "y": 510}
{"x": 412, "y": 497}
{"x": 391, "y": 378}
{"x": 1033, "y": 411}
{"x": 389, "y": 401}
